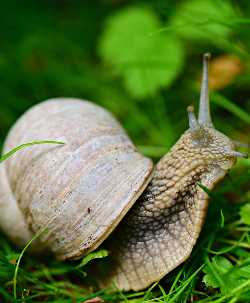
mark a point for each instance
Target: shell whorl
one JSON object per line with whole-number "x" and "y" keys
{"x": 79, "y": 191}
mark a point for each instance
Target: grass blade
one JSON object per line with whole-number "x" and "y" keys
{"x": 22, "y": 146}
{"x": 231, "y": 107}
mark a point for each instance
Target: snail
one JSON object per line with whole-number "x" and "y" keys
{"x": 97, "y": 186}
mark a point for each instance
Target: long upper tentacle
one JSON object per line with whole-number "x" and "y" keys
{"x": 204, "y": 110}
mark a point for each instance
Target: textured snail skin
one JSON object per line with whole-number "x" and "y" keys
{"x": 161, "y": 229}
{"x": 78, "y": 192}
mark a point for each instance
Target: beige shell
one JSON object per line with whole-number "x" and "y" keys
{"x": 79, "y": 191}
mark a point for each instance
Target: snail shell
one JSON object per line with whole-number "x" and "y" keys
{"x": 79, "y": 191}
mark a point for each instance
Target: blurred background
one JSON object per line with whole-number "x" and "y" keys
{"x": 140, "y": 59}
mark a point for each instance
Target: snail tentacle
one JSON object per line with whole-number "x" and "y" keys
{"x": 204, "y": 110}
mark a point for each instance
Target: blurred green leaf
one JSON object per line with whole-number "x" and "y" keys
{"x": 204, "y": 20}
{"x": 245, "y": 213}
{"x": 147, "y": 60}
{"x": 153, "y": 151}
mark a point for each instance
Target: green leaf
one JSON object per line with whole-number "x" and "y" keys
{"x": 214, "y": 270}
{"x": 220, "y": 273}
{"x": 245, "y": 213}
{"x": 205, "y": 20}
{"x": 93, "y": 255}
{"x": 146, "y": 59}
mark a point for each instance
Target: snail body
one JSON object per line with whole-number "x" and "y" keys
{"x": 81, "y": 191}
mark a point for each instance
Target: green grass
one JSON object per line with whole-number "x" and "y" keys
{"x": 16, "y": 149}
{"x": 57, "y": 48}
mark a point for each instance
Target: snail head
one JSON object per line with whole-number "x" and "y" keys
{"x": 203, "y": 137}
